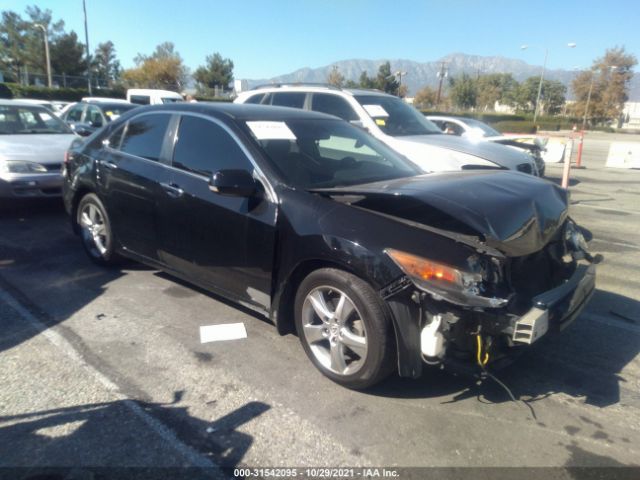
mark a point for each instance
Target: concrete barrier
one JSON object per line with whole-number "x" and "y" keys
{"x": 624, "y": 155}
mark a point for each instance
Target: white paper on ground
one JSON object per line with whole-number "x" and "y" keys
{"x": 375, "y": 111}
{"x": 264, "y": 130}
{"x": 227, "y": 331}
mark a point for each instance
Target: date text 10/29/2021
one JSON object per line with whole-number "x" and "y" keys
{"x": 316, "y": 472}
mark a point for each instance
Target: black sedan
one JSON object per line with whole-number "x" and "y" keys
{"x": 329, "y": 233}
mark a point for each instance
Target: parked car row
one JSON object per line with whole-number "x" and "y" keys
{"x": 395, "y": 123}
{"x": 475, "y": 130}
{"x": 378, "y": 260}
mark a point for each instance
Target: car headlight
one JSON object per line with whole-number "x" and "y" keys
{"x": 443, "y": 281}
{"x": 18, "y": 166}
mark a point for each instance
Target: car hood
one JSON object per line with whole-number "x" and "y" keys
{"x": 513, "y": 213}
{"x": 505, "y": 157}
{"x": 40, "y": 148}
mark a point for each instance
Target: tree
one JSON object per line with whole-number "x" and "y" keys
{"x": 106, "y": 64}
{"x": 12, "y": 44}
{"x": 463, "y": 92}
{"x": 385, "y": 80}
{"x": 162, "y": 69}
{"x": 217, "y": 72}
{"x": 552, "y": 95}
{"x": 425, "y": 97}
{"x": 67, "y": 55}
{"x": 495, "y": 87}
{"x": 608, "y": 81}
{"x": 335, "y": 77}
{"x": 365, "y": 81}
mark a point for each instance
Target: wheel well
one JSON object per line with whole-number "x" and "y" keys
{"x": 78, "y": 195}
{"x": 285, "y": 315}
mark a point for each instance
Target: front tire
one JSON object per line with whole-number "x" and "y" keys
{"x": 344, "y": 328}
{"x": 95, "y": 231}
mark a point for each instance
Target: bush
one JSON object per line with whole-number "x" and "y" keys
{"x": 515, "y": 127}
{"x": 15, "y": 90}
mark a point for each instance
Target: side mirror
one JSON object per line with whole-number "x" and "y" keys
{"x": 234, "y": 183}
{"x": 95, "y": 124}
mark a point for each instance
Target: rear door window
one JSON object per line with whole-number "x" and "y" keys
{"x": 144, "y": 136}
{"x": 255, "y": 98}
{"x": 204, "y": 147}
{"x": 140, "y": 99}
{"x": 333, "y": 105}
{"x": 289, "y": 99}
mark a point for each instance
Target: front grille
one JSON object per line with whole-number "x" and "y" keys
{"x": 525, "y": 168}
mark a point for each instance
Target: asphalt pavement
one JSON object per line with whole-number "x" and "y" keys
{"x": 104, "y": 368}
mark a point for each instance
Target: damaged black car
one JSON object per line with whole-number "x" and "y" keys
{"x": 332, "y": 235}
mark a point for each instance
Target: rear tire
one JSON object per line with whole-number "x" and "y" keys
{"x": 344, "y": 328}
{"x": 95, "y": 231}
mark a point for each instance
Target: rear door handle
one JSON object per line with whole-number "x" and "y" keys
{"x": 172, "y": 189}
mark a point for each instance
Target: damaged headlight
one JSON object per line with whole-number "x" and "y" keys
{"x": 574, "y": 238}
{"x": 443, "y": 281}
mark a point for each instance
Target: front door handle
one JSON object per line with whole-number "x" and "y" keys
{"x": 172, "y": 189}
{"x": 109, "y": 164}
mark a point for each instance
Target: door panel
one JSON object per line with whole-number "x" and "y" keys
{"x": 221, "y": 242}
{"x": 132, "y": 177}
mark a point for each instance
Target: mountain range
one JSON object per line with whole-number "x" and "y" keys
{"x": 420, "y": 74}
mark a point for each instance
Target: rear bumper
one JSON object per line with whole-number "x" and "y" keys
{"x": 30, "y": 186}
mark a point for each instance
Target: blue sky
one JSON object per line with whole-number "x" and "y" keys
{"x": 266, "y": 38}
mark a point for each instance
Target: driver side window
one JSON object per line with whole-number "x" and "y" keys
{"x": 203, "y": 148}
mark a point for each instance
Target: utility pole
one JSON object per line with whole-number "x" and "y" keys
{"x": 442, "y": 74}
{"x": 586, "y": 108}
{"x": 86, "y": 37}
{"x": 400, "y": 74}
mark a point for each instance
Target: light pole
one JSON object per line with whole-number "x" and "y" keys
{"x": 86, "y": 37}
{"x": 442, "y": 73}
{"x": 544, "y": 66}
{"x": 46, "y": 50}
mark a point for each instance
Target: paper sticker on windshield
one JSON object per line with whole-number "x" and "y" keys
{"x": 271, "y": 130}
{"x": 381, "y": 122}
{"x": 375, "y": 111}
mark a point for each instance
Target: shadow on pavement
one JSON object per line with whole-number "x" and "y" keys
{"x": 585, "y": 360}
{"x": 99, "y": 439}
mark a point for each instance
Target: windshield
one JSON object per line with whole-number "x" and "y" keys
{"x": 20, "y": 119}
{"x": 394, "y": 117}
{"x": 486, "y": 130}
{"x": 327, "y": 153}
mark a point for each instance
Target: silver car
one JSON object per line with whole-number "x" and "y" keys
{"x": 33, "y": 142}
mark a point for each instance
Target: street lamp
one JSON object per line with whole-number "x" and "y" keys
{"x": 46, "y": 50}
{"x": 544, "y": 66}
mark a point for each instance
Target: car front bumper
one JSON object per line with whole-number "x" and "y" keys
{"x": 31, "y": 185}
{"x": 551, "y": 311}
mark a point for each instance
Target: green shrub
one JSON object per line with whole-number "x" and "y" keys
{"x": 15, "y": 90}
{"x": 515, "y": 127}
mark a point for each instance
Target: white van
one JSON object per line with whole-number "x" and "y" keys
{"x": 147, "y": 96}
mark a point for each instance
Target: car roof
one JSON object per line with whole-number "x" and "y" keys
{"x": 315, "y": 88}
{"x": 22, "y": 103}
{"x": 239, "y": 111}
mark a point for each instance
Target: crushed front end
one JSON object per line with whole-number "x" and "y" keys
{"x": 485, "y": 312}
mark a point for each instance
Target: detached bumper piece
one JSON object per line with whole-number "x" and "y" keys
{"x": 565, "y": 302}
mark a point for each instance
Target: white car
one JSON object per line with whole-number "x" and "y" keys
{"x": 475, "y": 130}
{"x": 33, "y": 142}
{"x": 150, "y": 96}
{"x": 396, "y": 123}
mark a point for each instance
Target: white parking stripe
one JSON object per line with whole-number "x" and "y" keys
{"x": 227, "y": 331}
